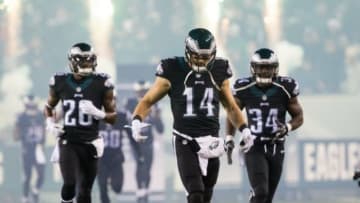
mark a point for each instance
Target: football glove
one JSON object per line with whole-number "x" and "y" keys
{"x": 52, "y": 127}
{"x": 246, "y": 140}
{"x": 136, "y": 126}
{"x": 87, "y": 107}
{"x": 282, "y": 130}
{"x": 356, "y": 175}
{"x": 230, "y": 145}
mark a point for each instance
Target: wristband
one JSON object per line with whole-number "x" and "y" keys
{"x": 229, "y": 138}
{"x": 242, "y": 127}
{"x": 137, "y": 117}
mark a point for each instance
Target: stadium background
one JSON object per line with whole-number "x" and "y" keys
{"x": 318, "y": 43}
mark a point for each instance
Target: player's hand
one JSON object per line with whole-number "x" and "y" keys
{"x": 52, "y": 127}
{"x": 136, "y": 126}
{"x": 282, "y": 130}
{"x": 246, "y": 140}
{"x": 87, "y": 107}
{"x": 230, "y": 145}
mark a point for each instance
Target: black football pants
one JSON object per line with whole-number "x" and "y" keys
{"x": 110, "y": 169}
{"x": 264, "y": 163}
{"x": 29, "y": 162}
{"x": 199, "y": 188}
{"x": 78, "y": 168}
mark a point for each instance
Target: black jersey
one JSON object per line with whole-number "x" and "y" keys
{"x": 113, "y": 135}
{"x": 265, "y": 105}
{"x": 194, "y": 96}
{"x": 31, "y": 128}
{"x": 80, "y": 127}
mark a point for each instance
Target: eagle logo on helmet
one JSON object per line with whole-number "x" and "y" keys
{"x": 264, "y": 66}
{"x": 200, "y": 49}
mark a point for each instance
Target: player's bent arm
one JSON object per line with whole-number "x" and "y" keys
{"x": 234, "y": 113}
{"x": 230, "y": 129}
{"x": 157, "y": 91}
{"x": 109, "y": 107}
{"x": 52, "y": 101}
{"x": 296, "y": 112}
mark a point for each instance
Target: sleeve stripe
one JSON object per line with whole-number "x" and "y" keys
{"x": 283, "y": 88}
{"x": 245, "y": 87}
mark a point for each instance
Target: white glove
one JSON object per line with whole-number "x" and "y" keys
{"x": 246, "y": 140}
{"x": 87, "y": 107}
{"x": 52, "y": 127}
{"x": 136, "y": 126}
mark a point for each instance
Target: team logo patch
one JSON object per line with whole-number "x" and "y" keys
{"x": 159, "y": 69}
{"x": 52, "y": 81}
{"x": 296, "y": 90}
{"x": 108, "y": 83}
{"x": 229, "y": 71}
{"x": 214, "y": 145}
{"x": 78, "y": 89}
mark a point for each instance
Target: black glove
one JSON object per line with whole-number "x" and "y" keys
{"x": 229, "y": 142}
{"x": 282, "y": 130}
{"x": 356, "y": 175}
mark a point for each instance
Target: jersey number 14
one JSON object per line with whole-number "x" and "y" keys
{"x": 206, "y": 102}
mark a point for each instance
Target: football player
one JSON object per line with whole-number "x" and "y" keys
{"x": 143, "y": 151}
{"x": 111, "y": 163}
{"x": 267, "y": 97}
{"x": 195, "y": 84}
{"x": 83, "y": 93}
{"x": 356, "y": 176}
{"x": 30, "y": 130}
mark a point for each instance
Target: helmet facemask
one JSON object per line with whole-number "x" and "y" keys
{"x": 264, "y": 66}
{"x": 200, "y": 50}
{"x": 82, "y": 59}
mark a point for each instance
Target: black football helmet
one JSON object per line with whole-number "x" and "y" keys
{"x": 82, "y": 59}
{"x": 264, "y": 66}
{"x": 200, "y": 49}
{"x": 29, "y": 102}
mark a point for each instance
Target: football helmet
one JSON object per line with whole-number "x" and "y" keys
{"x": 141, "y": 87}
{"x": 200, "y": 49}
{"x": 29, "y": 102}
{"x": 82, "y": 59}
{"x": 264, "y": 66}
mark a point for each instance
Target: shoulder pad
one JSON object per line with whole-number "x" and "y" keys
{"x": 222, "y": 68}
{"x": 102, "y": 75}
{"x": 290, "y": 84}
{"x": 56, "y": 76}
{"x": 109, "y": 83}
{"x": 242, "y": 82}
{"x": 165, "y": 66}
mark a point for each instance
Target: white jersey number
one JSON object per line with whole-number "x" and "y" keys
{"x": 256, "y": 116}
{"x": 70, "y": 116}
{"x": 206, "y": 102}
